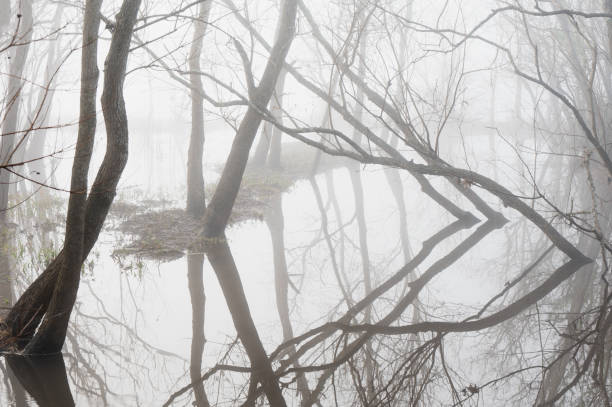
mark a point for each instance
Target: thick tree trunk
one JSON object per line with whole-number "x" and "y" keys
{"x": 222, "y": 201}
{"x": 195, "y": 178}
{"x": 26, "y": 314}
{"x": 13, "y": 98}
{"x": 52, "y": 332}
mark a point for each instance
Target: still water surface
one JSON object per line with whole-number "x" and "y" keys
{"x": 130, "y": 341}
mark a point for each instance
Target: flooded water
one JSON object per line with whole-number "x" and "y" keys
{"x": 453, "y": 249}
{"x": 136, "y": 336}
{"x": 131, "y": 334}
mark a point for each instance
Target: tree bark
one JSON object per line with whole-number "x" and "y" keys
{"x": 52, "y": 332}
{"x": 60, "y": 279}
{"x": 223, "y": 199}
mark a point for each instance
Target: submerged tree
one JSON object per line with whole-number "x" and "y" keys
{"x": 419, "y": 124}
{"x": 220, "y": 207}
{"x": 53, "y": 293}
{"x": 399, "y": 87}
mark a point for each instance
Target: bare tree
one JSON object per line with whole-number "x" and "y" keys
{"x": 219, "y": 209}
{"x": 54, "y": 292}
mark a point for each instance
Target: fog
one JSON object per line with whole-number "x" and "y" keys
{"x": 305, "y": 203}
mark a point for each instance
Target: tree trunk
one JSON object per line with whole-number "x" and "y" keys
{"x": 219, "y": 210}
{"x": 195, "y": 178}
{"x": 52, "y": 332}
{"x": 60, "y": 279}
{"x": 222, "y": 201}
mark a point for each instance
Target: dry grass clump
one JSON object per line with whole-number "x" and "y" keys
{"x": 162, "y": 235}
{"x": 167, "y": 234}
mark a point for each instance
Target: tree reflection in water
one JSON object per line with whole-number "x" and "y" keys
{"x": 43, "y": 377}
{"x": 101, "y": 347}
{"x": 195, "y": 272}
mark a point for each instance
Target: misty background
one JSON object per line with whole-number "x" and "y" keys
{"x": 423, "y": 219}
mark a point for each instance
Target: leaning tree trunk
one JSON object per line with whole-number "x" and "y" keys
{"x": 60, "y": 279}
{"x": 195, "y": 178}
{"x": 11, "y": 110}
{"x": 268, "y": 148}
{"x": 50, "y": 337}
{"x": 219, "y": 210}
